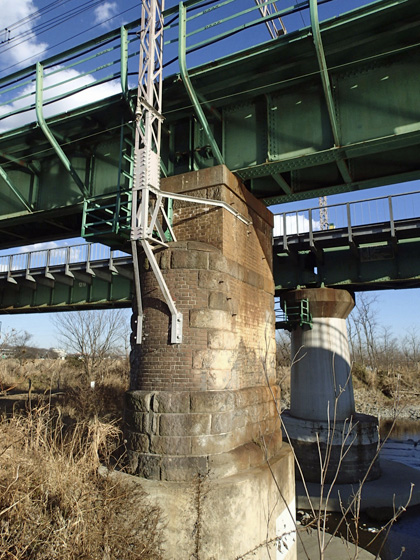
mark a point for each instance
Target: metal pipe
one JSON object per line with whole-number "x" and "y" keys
{"x": 182, "y": 56}
{"x": 124, "y": 61}
{"x": 47, "y": 132}
{"x": 326, "y": 84}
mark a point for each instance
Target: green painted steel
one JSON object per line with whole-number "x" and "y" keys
{"x": 294, "y": 316}
{"x": 39, "y": 90}
{"x": 371, "y": 245}
{"x": 99, "y": 294}
{"x": 190, "y": 90}
{"x": 374, "y": 267}
{"x": 322, "y": 110}
{"x": 83, "y": 276}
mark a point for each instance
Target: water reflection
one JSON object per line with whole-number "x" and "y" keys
{"x": 403, "y": 444}
{"x": 402, "y": 430}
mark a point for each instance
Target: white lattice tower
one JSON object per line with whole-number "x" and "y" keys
{"x": 148, "y": 117}
{"x": 268, "y": 10}
{"x": 148, "y": 214}
{"x": 323, "y": 212}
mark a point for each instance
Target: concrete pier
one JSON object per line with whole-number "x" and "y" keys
{"x": 322, "y": 419}
{"x": 202, "y": 424}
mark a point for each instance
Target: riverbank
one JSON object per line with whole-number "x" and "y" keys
{"x": 373, "y": 402}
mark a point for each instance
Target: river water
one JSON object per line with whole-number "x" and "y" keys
{"x": 403, "y": 446}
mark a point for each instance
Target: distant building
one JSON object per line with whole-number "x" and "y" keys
{"x": 7, "y": 352}
{"x": 58, "y": 353}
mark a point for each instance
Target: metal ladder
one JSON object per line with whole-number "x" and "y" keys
{"x": 294, "y": 316}
{"x": 107, "y": 218}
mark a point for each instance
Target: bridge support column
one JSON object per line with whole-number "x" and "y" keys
{"x": 322, "y": 414}
{"x": 202, "y": 423}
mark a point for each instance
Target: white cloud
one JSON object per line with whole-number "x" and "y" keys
{"x": 16, "y": 10}
{"x": 105, "y": 11}
{"x": 27, "y": 48}
{"x": 295, "y": 223}
{"x": 84, "y": 97}
{"x": 57, "y": 249}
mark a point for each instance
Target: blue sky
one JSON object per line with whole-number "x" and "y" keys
{"x": 36, "y": 29}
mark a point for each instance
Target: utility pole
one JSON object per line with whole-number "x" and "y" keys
{"x": 148, "y": 216}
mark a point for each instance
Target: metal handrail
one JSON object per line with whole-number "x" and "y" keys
{"x": 109, "y": 58}
{"x": 348, "y": 215}
{"x": 84, "y": 253}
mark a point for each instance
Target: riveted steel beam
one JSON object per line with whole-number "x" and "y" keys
{"x": 14, "y": 190}
{"x": 182, "y": 56}
{"x": 284, "y": 185}
{"x": 39, "y": 94}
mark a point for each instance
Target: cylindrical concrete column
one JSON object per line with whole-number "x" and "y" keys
{"x": 322, "y": 420}
{"x": 321, "y": 385}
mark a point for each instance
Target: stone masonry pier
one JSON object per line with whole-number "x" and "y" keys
{"x": 206, "y": 411}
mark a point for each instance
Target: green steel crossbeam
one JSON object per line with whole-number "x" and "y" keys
{"x": 284, "y": 115}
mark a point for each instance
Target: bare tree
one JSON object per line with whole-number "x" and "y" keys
{"x": 411, "y": 345}
{"x": 16, "y": 341}
{"x": 389, "y": 350}
{"x": 93, "y": 336}
{"x": 363, "y": 331}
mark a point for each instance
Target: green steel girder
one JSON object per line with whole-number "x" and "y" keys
{"x": 57, "y": 202}
{"x": 370, "y": 54}
{"x": 97, "y": 294}
{"x": 280, "y": 123}
{"x": 373, "y": 266}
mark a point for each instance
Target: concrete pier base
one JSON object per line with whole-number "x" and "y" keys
{"x": 347, "y": 447}
{"x": 250, "y": 514}
{"x": 322, "y": 425}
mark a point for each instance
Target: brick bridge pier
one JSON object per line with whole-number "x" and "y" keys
{"x": 202, "y": 423}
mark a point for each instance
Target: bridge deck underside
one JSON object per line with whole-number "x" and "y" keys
{"x": 267, "y": 110}
{"x": 77, "y": 287}
{"x": 372, "y": 257}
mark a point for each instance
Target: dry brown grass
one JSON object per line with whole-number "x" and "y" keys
{"x": 79, "y": 401}
{"x": 53, "y": 503}
{"x": 63, "y": 382}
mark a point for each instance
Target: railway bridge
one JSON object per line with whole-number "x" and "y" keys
{"x": 328, "y": 108}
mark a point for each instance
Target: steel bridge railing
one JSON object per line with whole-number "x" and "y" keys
{"x": 349, "y": 215}
{"x": 91, "y": 71}
{"x": 108, "y": 64}
{"x": 85, "y": 254}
